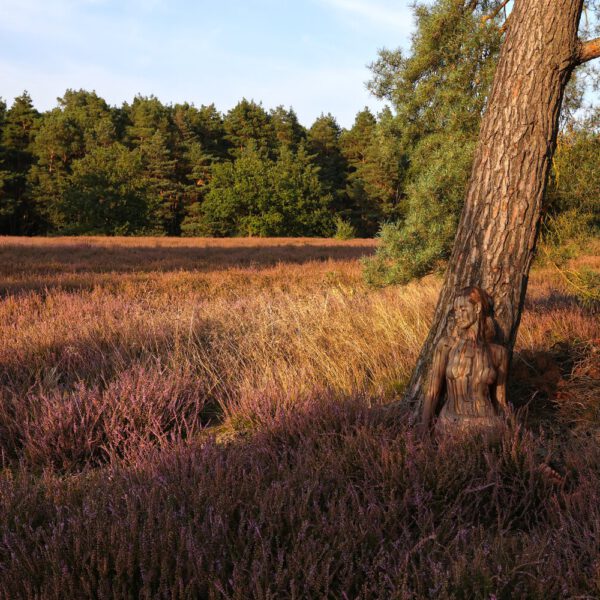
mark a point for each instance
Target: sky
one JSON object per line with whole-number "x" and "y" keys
{"x": 311, "y": 55}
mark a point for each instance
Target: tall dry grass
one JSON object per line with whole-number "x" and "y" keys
{"x": 119, "y": 358}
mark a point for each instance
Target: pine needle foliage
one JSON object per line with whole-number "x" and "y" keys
{"x": 438, "y": 90}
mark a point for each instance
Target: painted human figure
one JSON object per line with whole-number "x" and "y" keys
{"x": 468, "y": 372}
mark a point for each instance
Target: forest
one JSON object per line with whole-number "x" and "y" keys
{"x": 146, "y": 168}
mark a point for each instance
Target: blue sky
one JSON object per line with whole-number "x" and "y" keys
{"x": 308, "y": 54}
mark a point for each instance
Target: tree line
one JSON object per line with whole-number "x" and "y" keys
{"x": 146, "y": 168}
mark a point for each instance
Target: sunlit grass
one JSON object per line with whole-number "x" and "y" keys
{"x": 119, "y": 358}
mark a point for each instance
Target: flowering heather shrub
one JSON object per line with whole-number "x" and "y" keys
{"x": 323, "y": 503}
{"x": 86, "y": 427}
{"x": 189, "y": 419}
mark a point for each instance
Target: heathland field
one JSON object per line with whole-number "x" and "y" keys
{"x": 195, "y": 418}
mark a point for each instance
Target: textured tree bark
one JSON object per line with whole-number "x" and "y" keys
{"x": 499, "y": 224}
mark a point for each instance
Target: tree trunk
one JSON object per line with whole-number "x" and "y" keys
{"x": 499, "y": 224}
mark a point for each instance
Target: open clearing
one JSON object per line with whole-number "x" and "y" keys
{"x": 119, "y": 358}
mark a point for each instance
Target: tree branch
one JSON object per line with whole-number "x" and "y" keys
{"x": 588, "y": 50}
{"x": 495, "y": 13}
{"x": 504, "y": 25}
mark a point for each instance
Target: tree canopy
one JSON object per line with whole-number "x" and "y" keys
{"x": 186, "y": 170}
{"x": 439, "y": 90}
{"x": 85, "y": 167}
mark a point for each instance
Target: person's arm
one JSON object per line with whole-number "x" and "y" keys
{"x": 435, "y": 385}
{"x": 499, "y": 390}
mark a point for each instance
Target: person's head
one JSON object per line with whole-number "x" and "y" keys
{"x": 472, "y": 309}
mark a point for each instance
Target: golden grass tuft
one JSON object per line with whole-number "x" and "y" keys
{"x": 259, "y": 323}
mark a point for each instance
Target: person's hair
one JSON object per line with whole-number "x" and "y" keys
{"x": 486, "y": 330}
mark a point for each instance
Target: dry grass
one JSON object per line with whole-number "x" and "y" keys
{"x": 114, "y": 349}
{"x": 254, "y": 324}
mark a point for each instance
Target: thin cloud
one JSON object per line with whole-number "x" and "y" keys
{"x": 339, "y": 90}
{"x": 201, "y": 56}
{"x": 383, "y": 14}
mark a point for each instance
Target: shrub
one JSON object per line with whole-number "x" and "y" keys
{"x": 325, "y": 503}
{"x": 407, "y": 251}
{"x": 344, "y": 230}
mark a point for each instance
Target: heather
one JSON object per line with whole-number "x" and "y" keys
{"x": 201, "y": 419}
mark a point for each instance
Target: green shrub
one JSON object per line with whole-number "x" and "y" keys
{"x": 343, "y": 229}
{"x": 565, "y": 236}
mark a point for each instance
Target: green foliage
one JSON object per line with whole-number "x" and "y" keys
{"x": 105, "y": 194}
{"x": 404, "y": 253}
{"x": 575, "y": 181}
{"x": 198, "y": 168}
{"x": 439, "y": 93}
{"x": 572, "y": 214}
{"x": 255, "y": 195}
{"x": 19, "y": 124}
{"x": 419, "y": 243}
{"x": 443, "y": 83}
{"x": 373, "y": 152}
{"x": 81, "y": 124}
{"x": 566, "y": 236}
{"x": 299, "y": 196}
{"x": 203, "y": 125}
{"x": 92, "y": 117}
{"x": 248, "y": 124}
{"x": 163, "y": 196}
{"x": 323, "y": 142}
{"x": 195, "y": 223}
{"x": 259, "y": 172}
{"x": 238, "y": 190}
{"x": 585, "y": 284}
{"x": 144, "y": 117}
{"x": 344, "y": 230}
{"x": 174, "y": 156}
{"x": 288, "y": 131}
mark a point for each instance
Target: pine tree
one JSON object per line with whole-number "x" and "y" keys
{"x": 496, "y": 237}
{"x": 374, "y": 157}
{"x": 58, "y": 143}
{"x": 248, "y": 124}
{"x": 198, "y": 168}
{"x": 299, "y": 204}
{"x": 5, "y": 208}
{"x": 106, "y": 194}
{"x": 323, "y": 142}
{"x": 93, "y": 118}
{"x": 258, "y": 196}
{"x": 439, "y": 92}
{"x": 81, "y": 123}
{"x": 384, "y": 167}
{"x": 288, "y": 130}
{"x": 2, "y": 115}
{"x": 356, "y": 140}
{"x": 203, "y": 125}
{"x": 17, "y": 212}
{"x": 145, "y": 116}
{"x": 238, "y": 194}
{"x": 164, "y": 194}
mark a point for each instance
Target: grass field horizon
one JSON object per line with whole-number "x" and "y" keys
{"x": 191, "y": 418}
